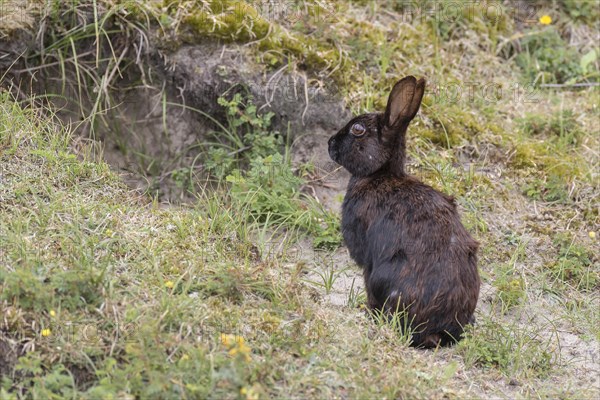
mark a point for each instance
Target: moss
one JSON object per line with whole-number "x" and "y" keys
{"x": 511, "y": 290}
{"x": 307, "y": 52}
{"x": 237, "y": 21}
{"x": 241, "y": 22}
{"x": 524, "y": 157}
{"x": 453, "y": 125}
{"x": 551, "y": 156}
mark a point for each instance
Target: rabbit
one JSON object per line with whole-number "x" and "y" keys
{"x": 416, "y": 255}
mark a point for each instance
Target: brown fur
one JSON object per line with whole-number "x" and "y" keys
{"x": 407, "y": 237}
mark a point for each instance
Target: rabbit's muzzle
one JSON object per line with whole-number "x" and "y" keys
{"x": 333, "y": 149}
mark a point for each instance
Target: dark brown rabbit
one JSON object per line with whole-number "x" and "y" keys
{"x": 408, "y": 238}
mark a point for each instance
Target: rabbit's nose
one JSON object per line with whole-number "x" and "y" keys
{"x": 331, "y": 144}
{"x": 332, "y": 150}
{"x": 331, "y": 141}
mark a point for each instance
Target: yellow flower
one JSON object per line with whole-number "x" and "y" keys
{"x": 46, "y": 332}
{"x": 169, "y": 284}
{"x": 545, "y": 20}
{"x": 249, "y": 392}
{"x": 236, "y": 346}
{"x": 185, "y": 357}
{"x": 592, "y": 235}
{"x": 231, "y": 340}
{"x": 241, "y": 349}
{"x": 227, "y": 340}
{"x": 52, "y": 313}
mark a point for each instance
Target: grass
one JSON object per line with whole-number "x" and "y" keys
{"x": 515, "y": 350}
{"x": 327, "y": 279}
{"x": 104, "y": 294}
{"x": 576, "y": 264}
{"x": 107, "y": 293}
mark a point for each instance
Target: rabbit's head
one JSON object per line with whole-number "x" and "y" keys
{"x": 372, "y": 141}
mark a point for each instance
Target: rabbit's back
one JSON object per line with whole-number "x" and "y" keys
{"x": 414, "y": 250}
{"x": 397, "y": 212}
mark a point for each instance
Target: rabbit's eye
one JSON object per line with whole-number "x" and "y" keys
{"x": 358, "y": 129}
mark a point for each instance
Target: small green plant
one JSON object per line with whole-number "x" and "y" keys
{"x": 26, "y": 287}
{"x": 256, "y": 165}
{"x": 398, "y": 322}
{"x": 356, "y": 296}
{"x": 328, "y": 277}
{"x": 182, "y": 177}
{"x": 563, "y": 125}
{"x": 550, "y": 189}
{"x": 508, "y": 282}
{"x": 547, "y": 58}
{"x": 245, "y": 138}
{"x": 585, "y": 11}
{"x": 326, "y": 231}
{"x": 511, "y": 289}
{"x": 575, "y": 264}
{"x": 219, "y": 161}
{"x": 513, "y": 349}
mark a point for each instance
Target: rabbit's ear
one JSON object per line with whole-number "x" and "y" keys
{"x": 404, "y": 101}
